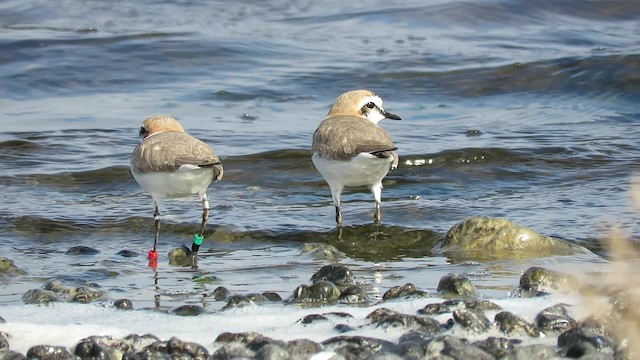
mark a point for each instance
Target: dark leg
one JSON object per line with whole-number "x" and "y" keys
{"x": 156, "y": 216}
{"x": 197, "y": 241}
{"x": 377, "y": 216}
{"x": 376, "y": 189}
{"x": 336, "y": 191}
{"x": 153, "y": 254}
{"x": 338, "y": 216}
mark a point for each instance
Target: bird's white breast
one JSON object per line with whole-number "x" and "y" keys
{"x": 364, "y": 169}
{"x": 176, "y": 184}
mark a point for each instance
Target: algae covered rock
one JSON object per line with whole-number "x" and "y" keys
{"x": 482, "y": 237}
{"x": 57, "y": 291}
{"x": 555, "y": 318}
{"x": 321, "y": 292}
{"x": 8, "y": 268}
{"x": 405, "y": 291}
{"x": 40, "y": 297}
{"x": 182, "y": 256}
{"x": 456, "y": 285}
{"x": 472, "y": 320}
{"x": 510, "y": 323}
{"x": 537, "y": 281}
{"x": 339, "y": 275}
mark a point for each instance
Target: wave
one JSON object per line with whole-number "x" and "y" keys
{"x": 597, "y": 75}
{"x": 287, "y": 167}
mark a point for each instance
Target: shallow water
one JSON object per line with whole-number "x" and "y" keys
{"x": 518, "y": 109}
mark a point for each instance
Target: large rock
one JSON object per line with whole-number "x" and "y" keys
{"x": 482, "y": 237}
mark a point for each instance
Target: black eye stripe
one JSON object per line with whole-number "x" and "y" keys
{"x": 143, "y": 131}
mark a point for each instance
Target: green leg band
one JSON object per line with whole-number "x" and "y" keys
{"x": 198, "y": 239}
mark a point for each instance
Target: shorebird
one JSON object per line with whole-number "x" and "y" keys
{"x": 169, "y": 163}
{"x": 350, "y": 149}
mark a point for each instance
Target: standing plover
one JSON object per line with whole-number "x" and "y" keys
{"x": 169, "y": 163}
{"x": 350, "y": 149}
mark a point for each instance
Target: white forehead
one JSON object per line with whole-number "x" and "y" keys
{"x": 367, "y": 99}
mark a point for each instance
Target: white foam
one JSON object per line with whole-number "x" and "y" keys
{"x": 65, "y": 324}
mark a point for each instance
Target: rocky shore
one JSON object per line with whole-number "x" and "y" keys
{"x": 454, "y": 323}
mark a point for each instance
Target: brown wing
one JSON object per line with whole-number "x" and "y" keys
{"x": 167, "y": 151}
{"x": 343, "y": 137}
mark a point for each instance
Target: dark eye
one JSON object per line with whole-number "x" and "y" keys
{"x": 370, "y": 105}
{"x": 143, "y": 131}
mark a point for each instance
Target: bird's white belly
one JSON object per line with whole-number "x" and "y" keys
{"x": 364, "y": 169}
{"x": 176, "y": 184}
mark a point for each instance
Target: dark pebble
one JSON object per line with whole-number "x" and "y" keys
{"x": 337, "y": 314}
{"x": 8, "y": 267}
{"x": 272, "y": 352}
{"x": 353, "y": 295}
{"x": 537, "y": 281}
{"x": 472, "y": 320}
{"x": 153, "y": 350}
{"x": 379, "y": 314}
{"x": 2, "y": 320}
{"x": 257, "y": 298}
{"x": 127, "y": 253}
{"x": 456, "y": 285}
{"x": 237, "y": 301}
{"x": 405, "y": 291}
{"x": 11, "y": 355}
{"x": 386, "y": 318}
{"x": 48, "y": 352}
{"x": 455, "y": 348}
{"x": 220, "y": 293}
{"x": 136, "y": 342}
{"x": 358, "y": 347}
{"x": 253, "y": 341}
{"x": 498, "y": 347}
{"x": 321, "y": 292}
{"x": 442, "y": 308}
{"x": 481, "y": 305}
{"x": 233, "y": 351}
{"x": 189, "y": 310}
{"x": 343, "y": 328}
{"x": 182, "y": 256}
{"x": 244, "y": 300}
{"x": 89, "y": 349}
{"x": 86, "y": 295}
{"x": 302, "y": 348}
{"x": 510, "y": 323}
{"x": 103, "y": 347}
{"x": 37, "y": 296}
{"x": 272, "y": 296}
{"x": 339, "y": 275}
{"x": 410, "y": 350}
{"x": 123, "y": 304}
{"x": 555, "y": 318}
{"x": 177, "y": 348}
{"x": 416, "y": 336}
{"x": 311, "y": 318}
{"x": 81, "y": 250}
